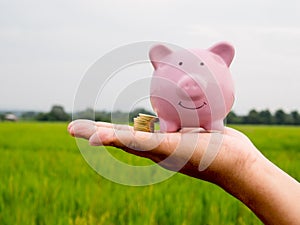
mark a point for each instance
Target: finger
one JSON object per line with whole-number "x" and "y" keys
{"x": 126, "y": 138}
{"x": 99, "y": 124}
{"x": 103, "y": 136}
{"x": 155, "y": 146}
{"x": 104, "y": 124}
{"x": 115, "y": 126}
{"x": 75, "y": 122}
{"x": 172, "y": 150}
{"x": 82, "y": 128}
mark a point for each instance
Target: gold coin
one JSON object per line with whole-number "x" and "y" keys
{"x": 144, "y": 122}
{"x": 145, "y": 115}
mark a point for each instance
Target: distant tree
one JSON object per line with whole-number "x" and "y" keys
{"x": 42, "y": 117}
{"x": 29, "y": 115}
{"x": 57, "y": 113}
{"x": 252, "y": 117}
{"x": 265, "y": 117}
{"x": 289, "y": 120}
{"x": 88, "y": 113}
{"x": 119, "y": 117}
{"x": 233, "y": 118}
{"x": 2, "y": 117}
{"x": 280, "y": 117}
{"x": 103, "y": 116}
{"x": 296, "y": 117}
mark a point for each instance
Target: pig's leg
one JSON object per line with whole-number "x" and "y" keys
{"x": 168, "y": 126}
{"x": 215, "y": 126}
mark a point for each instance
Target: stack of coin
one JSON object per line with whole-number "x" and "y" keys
{"x": 144, "y": 123}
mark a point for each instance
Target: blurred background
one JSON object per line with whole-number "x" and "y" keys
{"x": 47, "y": 46}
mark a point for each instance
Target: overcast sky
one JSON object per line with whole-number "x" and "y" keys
{"x": 47, "y": 46}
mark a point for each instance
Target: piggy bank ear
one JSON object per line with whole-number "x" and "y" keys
{"x": 225, "y": 51}
{"x": 157, "y": 53}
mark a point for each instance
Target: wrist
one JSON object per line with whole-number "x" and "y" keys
{"x": 234, "y": 163}
{"x": 262, "y": 187}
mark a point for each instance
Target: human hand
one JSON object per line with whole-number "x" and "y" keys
{"x": 208, "y": 156}
{"x": 228, "y": 159}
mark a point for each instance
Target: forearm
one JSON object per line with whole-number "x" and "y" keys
{"x": 270, "y": 193}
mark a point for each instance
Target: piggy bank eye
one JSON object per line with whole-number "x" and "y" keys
{"x": 180, "y": 63}
{"x": 201, "y": 63}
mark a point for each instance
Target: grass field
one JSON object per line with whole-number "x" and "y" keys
{"x": 45, "y": 180}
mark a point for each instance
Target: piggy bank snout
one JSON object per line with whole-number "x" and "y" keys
{"x": 190, "y": 88}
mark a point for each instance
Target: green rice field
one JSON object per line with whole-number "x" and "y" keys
{"x": 45, "y": 180}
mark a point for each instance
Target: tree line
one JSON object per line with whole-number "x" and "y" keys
{"x": 57, "y": 113}
{"x": 265, "y": 117}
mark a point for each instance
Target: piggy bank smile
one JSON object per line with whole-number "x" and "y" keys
{"x": 191, "y": 108}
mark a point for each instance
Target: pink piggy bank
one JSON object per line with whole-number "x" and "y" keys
{"x": 192, "y": 88}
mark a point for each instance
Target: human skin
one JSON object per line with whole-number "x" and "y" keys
{"x": 238, "y": 167}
